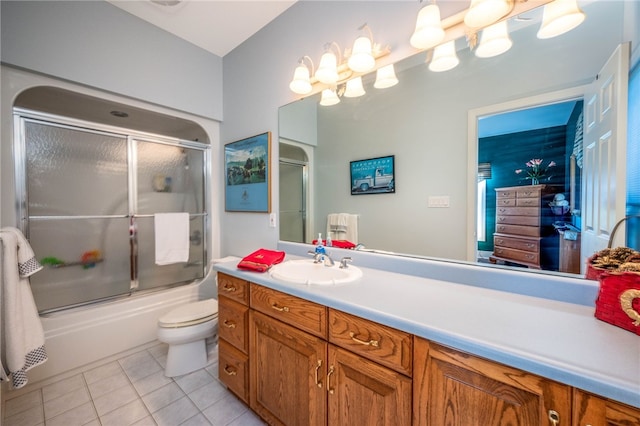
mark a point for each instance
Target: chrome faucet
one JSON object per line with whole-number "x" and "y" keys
{"x": 322, "y": 257}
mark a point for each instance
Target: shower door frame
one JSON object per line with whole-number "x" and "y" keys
{"x": 22, "y": 115}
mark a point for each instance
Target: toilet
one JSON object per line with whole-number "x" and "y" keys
{"x": 185, "y": 330}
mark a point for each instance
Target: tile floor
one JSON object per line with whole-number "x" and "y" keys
{"x": 132, "y": 391}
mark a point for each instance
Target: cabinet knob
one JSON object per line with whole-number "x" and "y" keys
{"x": 554, "y": 417}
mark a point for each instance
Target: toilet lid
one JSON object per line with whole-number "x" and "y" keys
{"x": 192, "y": 313}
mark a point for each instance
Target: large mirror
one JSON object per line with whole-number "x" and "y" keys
{"x": 432, "y": 122}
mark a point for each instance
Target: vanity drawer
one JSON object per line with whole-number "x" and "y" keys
{"x": 234, "y": 288}
{"x": 518, "y": 220}
{"x": 532, "y": 245}
{"x": 384, "y": 345}
{"x": 518, "y": 211}
{"x": 526, "y": 231}
{"x": 233, "y": 370}
{"x": 233, "y": 319}
{"x": 305, "y": 315}
{"x": 517, "y": 255}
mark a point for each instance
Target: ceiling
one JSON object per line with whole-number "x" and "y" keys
{"x": 214, "y": 25}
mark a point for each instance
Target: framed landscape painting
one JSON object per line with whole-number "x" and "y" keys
{"x": 248, "y": 175}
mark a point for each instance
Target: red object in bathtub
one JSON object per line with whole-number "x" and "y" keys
{"x": 261, "y": 260}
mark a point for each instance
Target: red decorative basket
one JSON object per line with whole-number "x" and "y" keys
{"x": 618, "y": 301}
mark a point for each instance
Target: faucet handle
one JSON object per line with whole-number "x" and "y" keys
{"x": 344, "y": 261}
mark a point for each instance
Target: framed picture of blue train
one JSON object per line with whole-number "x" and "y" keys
{"x": 248, "y": 175}
{"x": 373, "y": 176}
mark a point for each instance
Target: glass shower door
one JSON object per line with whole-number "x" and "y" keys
{"x": 76, "y": 181}
{"x": 169, "y": 180}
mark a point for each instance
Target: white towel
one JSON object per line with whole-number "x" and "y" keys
{"x": 172, "y": 238}
{"x": 343, "y": 226}
{"x": 22, "y": 329}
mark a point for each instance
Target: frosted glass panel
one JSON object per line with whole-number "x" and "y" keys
{"x": 75, "y": 172}
{"x": 68, "y": 241}
{"x": 170, "y": 179}
{"x": 151, "y": 275}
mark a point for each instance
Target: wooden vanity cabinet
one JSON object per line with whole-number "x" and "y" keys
{"x": 297, "y": 378}
{"x": 455, "y": 388}
{"x": 593, "y": 410}
{"x": 233, "y": 343}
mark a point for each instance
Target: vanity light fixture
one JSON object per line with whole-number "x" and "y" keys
{"x": 429, "y": 31}
{"x": 327, "y": 71}
{"x": 361, "y": 58}
{"x": 301, "y": 83}
{"x": 558, "y": 17}
{"x": 385, "y": 77}
{"x": 482, "y": 13}
{"x": 444, "y": 57}
{"x": 354, "y": 88}
{"x": 494, "y": 41}
{"x": 336, "y": 67}
{"x": 329, "y": 97}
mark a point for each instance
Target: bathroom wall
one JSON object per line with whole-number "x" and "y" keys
{"x": 99, "y": 45}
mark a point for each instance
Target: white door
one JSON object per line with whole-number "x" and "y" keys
{"x": 604, "y": 151}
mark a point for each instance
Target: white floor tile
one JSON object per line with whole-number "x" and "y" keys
{"x": 175, "y": 413}
{"x": 78, "y": 416}
{"x": 132, "y": 391}
{"x": 66, "y": 402}
{"x": 162, "y": 397}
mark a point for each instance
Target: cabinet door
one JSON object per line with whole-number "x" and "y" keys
{"x": 287, "y": 371}
{"x": 362, "y": 392}
{"x": 456, "y": 389}
{"x": 595, "y": 411}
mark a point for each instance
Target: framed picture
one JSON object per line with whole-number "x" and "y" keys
{"x": 373, "y": 176}
{"x": 247, "y": 165}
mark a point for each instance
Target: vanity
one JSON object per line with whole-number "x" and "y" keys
{"x": 423, "y": 343}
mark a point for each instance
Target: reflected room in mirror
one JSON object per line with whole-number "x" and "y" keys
{"x": 460, "y": 147}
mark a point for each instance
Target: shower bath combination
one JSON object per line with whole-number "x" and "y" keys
{"x": 89, "y": 195}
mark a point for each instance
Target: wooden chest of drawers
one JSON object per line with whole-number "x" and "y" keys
{"x": 520, "y": 224}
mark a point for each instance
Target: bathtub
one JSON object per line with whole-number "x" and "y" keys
{"x": 84, "y": 335}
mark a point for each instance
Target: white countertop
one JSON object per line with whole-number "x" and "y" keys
{"x": 555, "y": 339}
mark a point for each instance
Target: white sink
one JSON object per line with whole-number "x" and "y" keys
{"x": 307, "y": 272}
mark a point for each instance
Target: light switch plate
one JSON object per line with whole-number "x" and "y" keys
{"x": 439, "y": 201}
{"x": 272, "y": 220}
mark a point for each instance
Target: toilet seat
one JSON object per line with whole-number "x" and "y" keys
{"x": 190, "y": 314}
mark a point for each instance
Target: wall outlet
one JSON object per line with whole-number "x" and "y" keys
{"x": 272, "y": 220}
{"x": 440, "y": 201}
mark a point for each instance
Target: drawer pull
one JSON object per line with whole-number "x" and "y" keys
{"x": 499, "y": 241}
{"x": 529, "y": 256}
{"x": 529, "y": 245}
{"x": 329, "y": 388}
{"x": 318, "y": 365}
{"x": 502, "y": 219}
{"x": 229, "y": 324}
{"x": 502, "y": 210}
{"x": 229, "y": 288}
{"x": 230, "y": 371}
{"x": 502, "y": 228}
{"x": 280, "y": 309}
{"x": 554, "y": 417}
{"x": 363, "y": 342}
